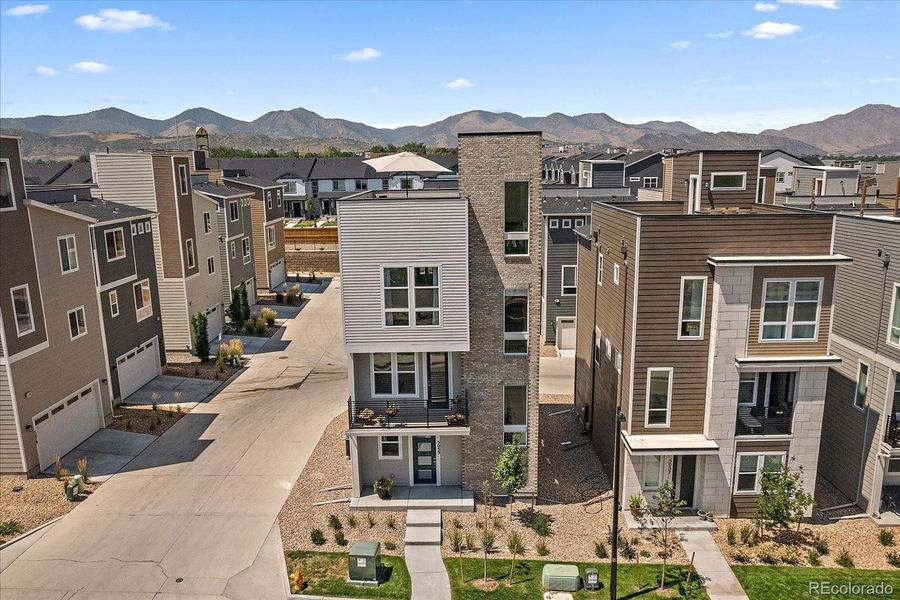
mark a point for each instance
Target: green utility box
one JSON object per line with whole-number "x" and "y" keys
{"x": 363, "y": 562}
{"x": 561, "y": 578}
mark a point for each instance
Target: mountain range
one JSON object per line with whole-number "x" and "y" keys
{"x": 869, "y": 129}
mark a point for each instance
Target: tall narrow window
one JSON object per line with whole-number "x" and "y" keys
{"x": 143, "y": 303}
{"x": 233, "y": 250}
{"x": 650, "y": 475}
{"x": 114, "y": 303}
{"x": 270, "y": 236}
{"x": 7, "y": 202}
{"x": 691, "y": 311}
{"x": 862, "y": 386}
{"x": 791, "y": 309}
{"x": 616, "y": 273}
{"x": 245, "y": 249}
{"x": 77, "y": 324}
{"x": 894, "y": 323}
{"x": 599, "y": 269}
{"x": 21, "y": 300}
{"x": 115, "y": 244}
{"x": 68, "y": 256}
{"x": 233, "y": 210}
{"x": 515, "y": 218}
{"x": 211, "y": 265}
{"x": 394, "y": 374}
{"x": 207, "y": 226}
{"x": 427, "y": 296}
{"x": 189, "y": 250}
{"x": 183, "y": 179}
{"x": 569, "y": 280}
{"x": 269, "y": 200}
{"x": 515, "y": 414}
{"x": 659, "y": 397}
{"x": 747, "y": 389}
{"x": 396, "y": 297}
{"x": 515, "y": 322}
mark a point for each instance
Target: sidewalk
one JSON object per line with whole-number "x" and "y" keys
{"x": 429, "y": 576}
{"x": 721, "y": 584}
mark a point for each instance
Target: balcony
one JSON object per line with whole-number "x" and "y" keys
{"x": 763, "y": 420}
{"x": 392, "y": 414}
{"x": 892, "y": 431}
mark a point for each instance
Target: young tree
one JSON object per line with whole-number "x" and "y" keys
{"x": 658, "y": 524}
{"x": 456, "y": 545}
{"x": 515, "y": 546}
{"x": 199, "y": 329}
{"x": 782, "y": 499}
{"x": 510, "y": 471}
{"x": 235, "y": 309}
{"x": 309, "y": 207}
{"x": 245, "y": 306}
{"x": 487, "y": 544}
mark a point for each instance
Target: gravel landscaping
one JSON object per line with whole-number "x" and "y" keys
{"x": 328, "y": 467}
{"x": 41, "y": 499}
{"x": 141, "y": 418}
{"x": 184, "y": 364}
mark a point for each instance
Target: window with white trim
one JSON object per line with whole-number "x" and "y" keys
{"x": 652, "y": 469}
{"x": 140, "y": 227}
{"x": 579, "y": 222}
{"x": 211, "y": 265}
{"x": 515, "y": 322}
{"x": 599, "y": 269}
{"x": 747, "y": 389}
{"x": 389, "y": 447}
{"x": 515, "y": 218}
{"x": 618, "y": 362}
{"x": 133, "y": 229}
{"x": 207, "y": 225}
{"x": 728, "y": 181}
{"x": 338, "y": 185}
{"x": 361, "y": 184}
{"x": 790, "y": 309}
{"x": 750, "y": 468}
{"x": 779, "y": 177}
{"x": 893, "y": 336}
{"x": 554, "y": 223}
{"x": 862, "y": 386}
{"x": 691, "y": 311}
{"x": 245, "y": 250}
{"x": 616, "y": 273}
{"x": 21, "y": 301}
{"x": 269, "y": 200}
{"x": 659, "y": 397}
{"x": 395, "y": 283}
{"x": 634, "y": 179}
{"x": 143, "y": 303}
{"x": 115, "y": 244}
{"x": 233, "y": 210}
{"x": 651, "y": 182}
{"x": 424, "y": 296}
{"x": 7, "y": 197}
{"x": 598, "y": 346}
{"x": 189, "y": 250}
{"x": 427, "y": 296}
{"x": 394, "y": 374}
{"x": 114, "y": 303}
{"x": 147, "y": 227}
{"x": 569, "y": 280}
{"x": 77, "y": 323}
{"x": 278, "y": 197}
{"x": 270, "y": 236}
{"x": 567, "y": 223}
{"x": 515, "y": 414}
{"x": 183, "y": 179}
{"x": 608, "y": 349}
{"x": 233, "y": 250}
{"x": 68, "y": 255}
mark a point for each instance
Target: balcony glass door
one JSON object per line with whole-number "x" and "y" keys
{"x": 424, "y": 460}
{"x": 438, "y": 379}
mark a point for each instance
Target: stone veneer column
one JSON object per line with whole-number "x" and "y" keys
{"x": 809, "y": 407}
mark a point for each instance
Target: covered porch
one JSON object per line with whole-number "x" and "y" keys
{"x": 452, "y": 498}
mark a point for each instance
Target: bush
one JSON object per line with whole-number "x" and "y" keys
{"x": 746, "y": 532}
{"x": 335, "y": 522}
{"x": 600, "y": 550}
{"x": 260, "y": 326}
{"x": 351, "y": 520}
{"x": 730, "y": 536}
{"x": 200, "y": 333}
{"x": 813, "y": 558}
{"x": 389, "y": 545}
{"x": 844, "y": 559}
{"x": 457, "y": 523}
{"x": 497, "y": 522}
{"x": 10, "y": 528}
{"x": 470, "y": 541}
{"x": 628, "y": 551}
{"x": 893, "y": 559}
{"x": 740, "y": 556}
{"x": 767, "y": 557}
{"x": 886, "y": 537}
{"x": 456, "y": 541}
{"x": 269, "y": 315}
{"x": 790, "y": 556}
{"x": 542, "y": 548}
{"x": 317, "y": 537}
{"x": 279, "y": 297}
{"x": 820, "y": 544}
{"x": 370, "y": 520}
{"x": 390, "y": 521}
{"x": 250, "y": 326}
{"x": 339, "y": 538}
{"x": 540, "y": 523}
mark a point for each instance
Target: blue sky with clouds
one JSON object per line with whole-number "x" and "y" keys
{"x": 741, "y": 66}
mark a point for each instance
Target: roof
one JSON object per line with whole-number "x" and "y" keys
{"x": 827, "y": 168}
{"x": 56, "y": 171}
{"x": 584, "y": 231}
{"x": 766, "y": 153}
{"x": 97, "y": 211}
{"x": 269, "y": 169}
{"x": 692, "y": 152}
{"x": 561, "y": 205}
{"x": 219, "y": 191}
{"x": 636, "y": 157}
{"x": 670, "y": 443}
{"x": 484, "y": 133}
{"x": 448, "y": 161}
{"x": 342, "y": 168}
{"x": 254, "y": 181}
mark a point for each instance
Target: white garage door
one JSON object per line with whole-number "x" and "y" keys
{"x": 213, "y": 322}
{"x": 565, "y": 334}
{"x": 137, "y": 368}
{"x": 277, "y": 274}
{"x": 250, "y": 286}
{"x": 67, "y": 424}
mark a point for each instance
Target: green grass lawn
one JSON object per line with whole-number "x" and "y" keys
{"x": 792, "y": 583}
{"x": 326, "y": 575}
{"x": 526, "y": 582}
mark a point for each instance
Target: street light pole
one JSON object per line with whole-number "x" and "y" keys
{"x": 613, "y": 567}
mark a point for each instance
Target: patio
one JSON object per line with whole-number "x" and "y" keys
{"x": 451, "y": 498}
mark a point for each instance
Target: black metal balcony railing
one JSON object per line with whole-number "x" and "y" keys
{"x": 372, "y": 413}
{"x": 770, "y": 420}
{"x": 892, "y": 432}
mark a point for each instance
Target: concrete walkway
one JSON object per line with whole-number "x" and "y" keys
{"x": 423, "y": 555}
{"x": 721, "y": 584}
{"x": 557, "y": 375}
{"x": 194, "y": 515}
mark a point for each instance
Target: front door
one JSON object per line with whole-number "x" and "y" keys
{"x": 438, "y": 379}
{"x": 424, "y": 460}
{"x": 761, "y": 190}
{"x": 684, "y": 471}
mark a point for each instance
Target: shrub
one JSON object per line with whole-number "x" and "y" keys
{"x": 291, "y": 297}
{"x": 628, "y": 551}
{"x": 457, "y": 523}
{"x": 730, "y": 536}
{"x": 886, "y": 537}
{"x": 813, "y": 558}
{"x": 456, "y": 541}
{"x": 269, "y": 315}
{"x": 488, "y": 539}
{"x": 767, "y": 557}
{"x": 370, "y": 520}
{"x": 260, "y": 326}
{"x": 790, "y": 556}
{"x": 471, "y": 545}
{"x": 10, "y": 528}
{"x": 200, "y": 332}
{"x": 542, "y": 548}
{"x": 279, "y": 297}
{"x": 249, "y": 326}
{"x": 317, "y": 537}
{"x": 335, "y": 522}
{"x": 479, "y": 524}
{"x": 745, "y": 534}
{"x": 389, "y": 545}
{"x": 498, "y": 522}
{"x": 390, "y": 521}
{"x": 600, "y": 550}
{"x": 820, "y": 545}
{"x": 844, "y": 559}
{"x": 541, "y": 524}
{"x": 339, "y": 538}
{"x": 740, "y": 556}
{"x": 893, "y": 559}
{"x": 351, "y": 520}
{"x": 82, "y": 465}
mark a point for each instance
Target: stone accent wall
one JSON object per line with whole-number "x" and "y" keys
{"x": 486, "y": 162}
{"x": 809, "y": 407}
{"x": 320, "y": 261}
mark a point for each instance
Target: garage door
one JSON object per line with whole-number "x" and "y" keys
{"x": 214, "y": 322}
{"x": 137, "y": 368}
{"x": 67, "y": 424}
{"x": 250, "y": 286}
{"x": 277, "y": 274}
{"x": 565, "y": 334}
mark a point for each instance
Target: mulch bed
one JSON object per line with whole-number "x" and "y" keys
{"x": 144, "y": 419}
{"x": 182, "y": 364}
{"x": 42, "y": 499}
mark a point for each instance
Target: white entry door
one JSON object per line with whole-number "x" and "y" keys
{"x": 565, "y": 334}
{"x": 68, "y": 423}
{"x": 137, "y": 368}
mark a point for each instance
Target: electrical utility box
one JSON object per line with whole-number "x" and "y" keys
{"x": 363, "y": 561}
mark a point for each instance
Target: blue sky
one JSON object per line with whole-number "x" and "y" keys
{"x": 741, "y": 66}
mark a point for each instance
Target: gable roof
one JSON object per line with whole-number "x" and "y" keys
{"x": 767, "y": 153}
{"x": 40, "y": 172}
{"x": 254, "y": 182}
{"x": 219, "y": 191}
{"x": 342, "y": 168}
{"x": 268, "y": 169}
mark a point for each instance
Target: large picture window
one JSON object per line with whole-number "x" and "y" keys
{"x": 790, "y": 309}
{"x": 515, "y": 414}
{"x": 729, "y": 181}
{"x": 427, "y": 295}
{"x": 394, "y": 374}
{"x": 515, "y": 322}
{"x": 396, "y": 297}
{"x": 749, "y": 470}
{"x": 424, "y": 296}
{"x": 515, "y": 218}
{"x": 659, "y": 397}
{"x": 691, "y": 311}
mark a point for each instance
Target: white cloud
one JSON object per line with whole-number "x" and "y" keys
{"x": 720, "y": 34}
{"x": 360, "y": 55}
{"x": 120, "y": 21}
{"x": 769, "y": 30}
{"x": 765, "y": 7}
{"x": 829, "y": 4}
{"x": 883, "y": 80}
{"x": 459, "y": 83}
{"x": 682, "y": 45}
{"x": 89, "y": 66}
{"x": 26, "y": 10}
{"x": 45, "y": 71}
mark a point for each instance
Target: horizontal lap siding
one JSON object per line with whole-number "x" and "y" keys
{"x": 744, "y": 505}
{"x": 682, "y": 167}
{"x": 608, "y": 175}
{"x": 173, "y": 308}
{"x": 399, "y": 232}
{"x": 745, "y": 162}
{"x": 562, "y": 249}
{"x": 10, "y": 453}
{"x": 168, "y": 218}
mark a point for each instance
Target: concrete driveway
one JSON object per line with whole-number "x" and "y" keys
{"x": 194, "y": 515}
{"x": 190, "y": 389}
{"x": 107, "y": 452}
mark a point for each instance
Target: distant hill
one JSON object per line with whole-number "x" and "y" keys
{"x": 874, "y": 126}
